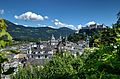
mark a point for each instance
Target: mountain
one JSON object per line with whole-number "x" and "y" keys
{"x": 20, "y": 32}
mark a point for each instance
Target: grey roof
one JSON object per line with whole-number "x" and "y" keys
{"x": 38, "y": 49}
{"x": 38, "y": 61}
{"x": 39, "y": 54}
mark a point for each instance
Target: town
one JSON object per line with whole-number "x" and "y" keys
{"x": 60, "y": 39}
{"x": 41, "y": 52}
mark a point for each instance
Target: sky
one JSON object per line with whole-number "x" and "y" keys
{"x": 73, "y": 14}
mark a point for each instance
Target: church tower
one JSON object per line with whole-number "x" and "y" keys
{"x": 87, "y": 41}
{"x": 60, "y": 38}
{"x": 52, "y": 38}
{"x": 52, "y": 41}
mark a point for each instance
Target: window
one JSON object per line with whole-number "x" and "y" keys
{"x": 31, "y": 56}
{"x": 35, "y": 47}
{"x": 45, "y": 56}
{"x": 38, "y": 56}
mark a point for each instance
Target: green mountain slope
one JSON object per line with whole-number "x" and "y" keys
{"x": 20, "y": 32}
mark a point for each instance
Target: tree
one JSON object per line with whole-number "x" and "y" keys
{"x": 116, "y": 28}
{"x": 5, "y": 39}
{"x": 102, "y": 63}
{"x": 110, "y": 35}
{"x": 63, "y": 67}
{"x": 106, "y": 37}
{"x": 75, "y": 37}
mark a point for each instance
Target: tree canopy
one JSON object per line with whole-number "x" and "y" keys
{"x": 5, "y": 39}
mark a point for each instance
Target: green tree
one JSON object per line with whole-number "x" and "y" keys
{"x": 102, "y": 63}
{"x": 106, "y": 37}
{"x": 5, "y": 39}
{"x": 75, "y": 37}
{"x": 63, "y": 67}
{"x": 116, "y": 28}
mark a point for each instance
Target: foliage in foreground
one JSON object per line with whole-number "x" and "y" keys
{"x": 5, "y": 39}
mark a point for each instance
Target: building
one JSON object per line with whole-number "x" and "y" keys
{"x": 40, "y": 51}
{"x": 95, "y": 26}
{"x": 43, "y": 50}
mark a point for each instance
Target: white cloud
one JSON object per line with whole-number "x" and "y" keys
{"x": 16, "y": 23}
{"x": 78, "y": 27}
{"x": 56, "y": 20}
{"x": 2, "y": 11}
{"x": 46, "y": 17}
{"x": 61, "y": 24}
{"x": 51, "y": 26}
{"x": 71, "y": 26}
{"x": 40, "y": 25}
{"x": 29, "y": 16}
{"x": 91, "y": 23}
{"x": 26, "y": 25}
{"x": 58, "y": 23}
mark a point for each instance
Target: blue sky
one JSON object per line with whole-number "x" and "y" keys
{"x": 60, "y": 13}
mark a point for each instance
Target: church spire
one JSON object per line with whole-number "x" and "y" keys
{"x": 60, "y": 38}
{"x": 53, "y": 38}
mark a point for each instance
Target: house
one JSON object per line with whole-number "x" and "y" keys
{"x": 40, "y": 51}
